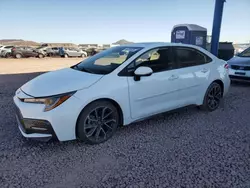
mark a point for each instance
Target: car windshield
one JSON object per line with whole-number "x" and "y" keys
{"x": 245, "y": 53}
{"x": 107, "y": 60}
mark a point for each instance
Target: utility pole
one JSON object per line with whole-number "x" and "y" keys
{"x": 218, "y": 11}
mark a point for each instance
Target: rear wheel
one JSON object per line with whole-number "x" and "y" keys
{"x": 98, "y": 122}
{"x": 18, "y": 56}
{"x": 83, "y": 55}
{"x": 213, "y": 97}
{"x": 66, "y": 55}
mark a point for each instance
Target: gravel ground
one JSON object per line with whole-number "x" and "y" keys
{"x": 188, "y": 148}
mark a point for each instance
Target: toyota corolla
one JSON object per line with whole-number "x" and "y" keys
{"x": 118, "y": 86}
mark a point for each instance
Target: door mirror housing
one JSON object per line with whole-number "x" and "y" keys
{"x": 142, "y": 71}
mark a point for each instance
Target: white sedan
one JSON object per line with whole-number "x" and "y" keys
{"x": 118, "y": 86}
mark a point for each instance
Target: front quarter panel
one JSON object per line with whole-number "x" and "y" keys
{"x": 108, "y": 87}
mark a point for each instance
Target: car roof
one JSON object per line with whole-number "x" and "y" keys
{"x": 158, "y": 44}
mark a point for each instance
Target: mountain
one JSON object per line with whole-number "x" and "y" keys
{"x": 122, "y": 41}
{"x": 18, "y": 42}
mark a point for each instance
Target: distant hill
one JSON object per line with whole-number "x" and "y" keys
{"x": 122, "y": 41}
{"x": 18, "y": 42}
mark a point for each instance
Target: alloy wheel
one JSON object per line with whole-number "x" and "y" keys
{"x": 214, "y": 96}
{"x": 100, "y": 124}
{"x": 18, "y": 56}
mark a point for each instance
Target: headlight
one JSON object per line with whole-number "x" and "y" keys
{"x": 50, "y": 102}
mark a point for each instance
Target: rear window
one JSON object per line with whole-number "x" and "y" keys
{"x": 8, "y": 47}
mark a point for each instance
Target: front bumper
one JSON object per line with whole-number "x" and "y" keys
{"x": 58, "y": 123}
{"x": 34, "y": 128}
{"x": 239, "y": 75}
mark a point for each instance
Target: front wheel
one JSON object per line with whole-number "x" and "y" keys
{"x": 97, "y": 122}
{"x": 40, "y": 55}
{"x": 66, "y": 55}
{"x": 212, "y": 97}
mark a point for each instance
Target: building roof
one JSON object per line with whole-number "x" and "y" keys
{"x": 191, "y": 27}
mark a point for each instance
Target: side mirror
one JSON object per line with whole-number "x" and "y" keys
{"x": 142, "y": 71}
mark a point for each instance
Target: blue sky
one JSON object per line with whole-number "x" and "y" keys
{"x": 106, "y": 21}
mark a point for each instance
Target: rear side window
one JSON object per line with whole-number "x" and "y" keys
{"x": 8, "y": 47}
{"x": 187, "y": 57}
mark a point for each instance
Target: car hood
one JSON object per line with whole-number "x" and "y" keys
{"x": 239, "y": 61}
{"x": 58, "y": 82}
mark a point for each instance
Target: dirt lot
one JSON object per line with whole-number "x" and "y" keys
{"x": 30, "y": 65}
{"x": 189, "y": 148}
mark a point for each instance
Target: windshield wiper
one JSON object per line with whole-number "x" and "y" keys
{"x": 82, "y": 69}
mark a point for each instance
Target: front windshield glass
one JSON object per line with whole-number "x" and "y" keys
{"x": 40, "y": 47}
{"x": 245, "y": 53}
{"x": 107, "y": 60}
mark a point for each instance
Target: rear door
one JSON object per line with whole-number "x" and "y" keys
{"x": 30, "y": 52}
{"x": 193, "y": 70}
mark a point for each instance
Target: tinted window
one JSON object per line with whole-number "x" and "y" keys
{"x": 190, "y": 57}
{"x": 158, "y": 60}
{"x": 8, "y": 47}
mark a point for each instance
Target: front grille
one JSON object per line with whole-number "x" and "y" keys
{"x": 240, "y": 77}
{"x": 20, "y": 119}
{"x": 238, "y": 67}
{"x": 30, "y": 126}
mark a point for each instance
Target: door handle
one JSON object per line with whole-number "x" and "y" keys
{"x": 204, "y": 70}
{"x": 173, "y": 77}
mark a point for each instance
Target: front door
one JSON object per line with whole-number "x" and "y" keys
{"x": 155, "y": 93}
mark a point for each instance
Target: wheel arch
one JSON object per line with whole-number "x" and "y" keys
{"x": 115, "y": 103}
{"x": 220, "y": 83}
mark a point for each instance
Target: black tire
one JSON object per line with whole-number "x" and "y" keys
{"x": 97, "y": 122}
{"x": 8, "y": 55}
{"x": 18, "y": 56}
{"x": 212, "y": 97}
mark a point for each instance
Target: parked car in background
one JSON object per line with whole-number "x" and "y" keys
{"x": 92, "y": 51}
{"x": 52, "y": 52}
{"x": 5, "y": 51}
{"x": 24, "y": 51}
{"x": 42, "y": 49}
{"x": 72, "y": 52}
{"x": 239, "y": 66}
{"x": 91, "y": 99}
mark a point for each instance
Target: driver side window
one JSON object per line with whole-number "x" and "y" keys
{"x": 159, "y": 59}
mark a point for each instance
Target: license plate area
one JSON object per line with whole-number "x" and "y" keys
{"x": 240, "y": 73}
